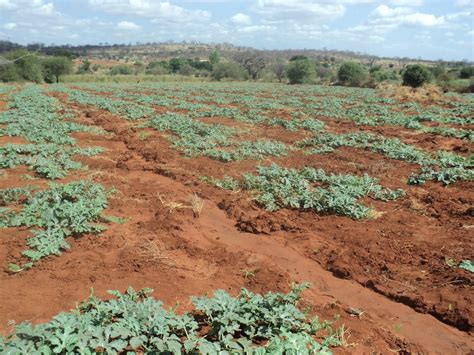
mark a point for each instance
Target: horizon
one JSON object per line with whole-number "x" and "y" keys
{"x": 429, "y": 30}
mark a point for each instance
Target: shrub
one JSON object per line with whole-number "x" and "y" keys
{"x": 176, "y": 63}
{"x": 380, "y": 75}
{"x": 466, "y": 72}
{"x": 186, "y": 70}
{"x": 228, "y": 70}
{"x": 9, "y": 73}
{"x": 214, "y": 57}
{"x": 54, "y": 67}
{"x": 120, "y": 69}
{"x": 26, "y": 66}
{"x": 416, "y": 75}
{"x": 438, "y": 70}
{"x": 298, "y": 57}
{"x": 352, "y": 74}
{"x": 157, "y": 70}
{"x": 299, "y": 71}
{"x": 85, "y": 67}
{"x": 325, "y": 73}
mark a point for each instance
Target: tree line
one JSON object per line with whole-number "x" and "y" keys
{"x": 21, "y": 65}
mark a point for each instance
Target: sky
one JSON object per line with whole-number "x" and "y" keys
{"x": 429, "y": 29}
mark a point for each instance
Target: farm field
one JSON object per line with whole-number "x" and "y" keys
{"x": 187, "y": 188}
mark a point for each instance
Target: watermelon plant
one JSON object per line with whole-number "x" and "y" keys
{"x": 55, "y": 214}
{"x": 134, "y": 322}
{"x": 312, "y": 189}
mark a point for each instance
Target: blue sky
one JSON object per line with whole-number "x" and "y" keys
{"x": 415, "y": 28}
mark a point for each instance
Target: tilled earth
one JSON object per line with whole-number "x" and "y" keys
{"x": 392, "y": 268}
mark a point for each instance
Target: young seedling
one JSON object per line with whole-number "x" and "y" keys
{"x": 248, "y": 274}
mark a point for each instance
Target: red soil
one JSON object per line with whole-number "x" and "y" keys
{"x": 392, "y": 267}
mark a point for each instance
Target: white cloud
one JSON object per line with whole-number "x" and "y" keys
{"x": 259, "y": 28}
{"x": 9, "y": 26}
{"x": 6, "y": 4}
{"x": 44, "y": 9}
{"x": 459, "y": 15}
{"x": 406, "y": 2}
{"x": 421, "y": 19}
{"x": 128, "y": 26}
{"x": 385, "y": 11}
{"x": 29, "y": 7}
{"x": 159, "y": 10}
{"x": 398, "y": 16}
{"x": 298, "y": 10}
{"x": 465, "y": 3}
{"x": 376, "y": 39}
{"x": 241, "y": 19}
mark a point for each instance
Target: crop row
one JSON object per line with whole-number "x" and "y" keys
{"x": 311, "y": 189}
{"x": 63, "y": 210}
{"x": 444, "y": 167}
{"x": 135, "y": 322}
{"x": 34, "y": 117}
{"x": 363, "y": 107}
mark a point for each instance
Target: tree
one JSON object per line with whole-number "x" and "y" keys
{"x": 279, "y": 69}
{"x": 416, "y": 75}
{"x": 252, "y": 61}
{"x": 352, "y": 74}
{"x": 214, "y": 58}
{"x": 466, "y": 72}
{"x": 22, "y": 65}
{"x": 228, "y": 70}
{"x": 176, "y": 63}
{"x": 299, "y": 71}
{"x": 9, "y": 73}
{"x": 54, "y": 67}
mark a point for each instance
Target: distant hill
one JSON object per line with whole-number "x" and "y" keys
{"x": 147, "y": 52}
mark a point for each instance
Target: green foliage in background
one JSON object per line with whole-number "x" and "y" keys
{"x": 416, "y": 75}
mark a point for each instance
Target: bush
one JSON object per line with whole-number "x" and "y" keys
{"x": 85, "y": 67}
{"x": 298, "y": 57}
{"x": 352, "y": 74}
{"x": 176, "y": 63}
{"x": 120, "y": 69}
{"x": 299, "y": 71}
{"x": 466, "y": 72}
{"x": 54, "y": 67}
{"x": 416, "y": 75}
{"x": 438, "y": 70}
{"x": 380, "y": 75}
{"x": 186, "y": 70}
{"x": 228, "y": 70}
{"x": 324, "y": 73}
{"x": 9, "y": 73}
{"x": 26, "y": 66}
{"x": 158, "y": 68}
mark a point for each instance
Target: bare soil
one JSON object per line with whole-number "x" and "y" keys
{"x": 391, "y": 267}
